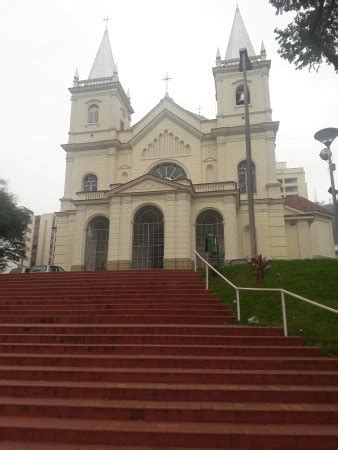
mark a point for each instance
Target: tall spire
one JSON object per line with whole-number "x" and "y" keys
{"x": 104, "y": 65}
{"x": 239, "y": 38}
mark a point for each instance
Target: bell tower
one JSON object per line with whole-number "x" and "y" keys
{"x": 100, "y": 106}
{"x": 229, "y": 80}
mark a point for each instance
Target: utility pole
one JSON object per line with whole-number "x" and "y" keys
{"x": 245, "y": 64}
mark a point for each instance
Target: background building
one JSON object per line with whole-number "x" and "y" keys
{"x": 28, "y": 238}
{"x": 43, "y": 240}
{"x": 292, "y": 180}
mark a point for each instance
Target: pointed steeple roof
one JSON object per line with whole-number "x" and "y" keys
{"x": 104, "y": 65}
{"x": 239, "y": 38}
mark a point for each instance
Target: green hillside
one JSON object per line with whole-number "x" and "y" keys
{"x": 313, "y": 279}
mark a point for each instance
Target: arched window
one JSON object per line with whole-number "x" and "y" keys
{"x": 90, "y": 183}
{"x": 240, "y": 95}
{"x": 210, "y": 221}
{"x": 243, "y": 177}
{"x": 93, "y": 114}
{"x": 169, "y": 171}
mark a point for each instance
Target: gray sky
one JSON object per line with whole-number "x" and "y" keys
{"x": 43, "y": 41}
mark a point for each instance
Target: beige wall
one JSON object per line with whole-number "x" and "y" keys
{"x": 309, "y": 237}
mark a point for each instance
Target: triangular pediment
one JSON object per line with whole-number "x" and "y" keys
{"x": 150, "y": 183}
{"x": 209, "y": 159}
{"x": 167, "y": 108}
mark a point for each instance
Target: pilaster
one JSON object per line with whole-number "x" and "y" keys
{"x": 114, "y": 233}
{"x": 125, "y": 236}
{"x": 221, "y": 152}
{"x": 230, "y": 228}
{"x": 170, "y": 230}
{"x": 79, "y": 238}
{"x": 111, "y": 167}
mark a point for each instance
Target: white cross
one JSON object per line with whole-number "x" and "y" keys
{"x": 106, "y": 20}
{"x": 166, "y": 79}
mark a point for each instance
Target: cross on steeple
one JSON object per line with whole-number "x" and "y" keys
{"x": 166, "y": 79}
{"x": 106, "y": 20}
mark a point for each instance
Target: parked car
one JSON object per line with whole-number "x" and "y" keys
{"x": 20, "y": 270}
{"x": 46, "y": 268}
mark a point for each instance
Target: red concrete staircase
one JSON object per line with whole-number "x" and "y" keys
{"x": 149, "y": 360}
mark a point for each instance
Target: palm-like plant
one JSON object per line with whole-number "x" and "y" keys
{"x": 260, "y": 266}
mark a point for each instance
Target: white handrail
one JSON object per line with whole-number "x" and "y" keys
{"x": 283, "y": 292}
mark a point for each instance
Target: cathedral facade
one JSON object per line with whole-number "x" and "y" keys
{"x": 145, "y": 195}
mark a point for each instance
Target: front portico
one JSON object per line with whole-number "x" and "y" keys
{"x": 154, "y": 223}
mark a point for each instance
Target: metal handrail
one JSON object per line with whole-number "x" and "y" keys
{"x": 283, "y": 292}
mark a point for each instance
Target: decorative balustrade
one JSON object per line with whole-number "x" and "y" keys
{"x": 93, "y": 195}
{"x": 235, "y": 62}
{"x": 214, "y": 187}
{"x": 94, "y": 82}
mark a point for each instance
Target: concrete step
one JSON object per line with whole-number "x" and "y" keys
{"x": 169, "y": 361}
{"x": 189, "y": 350}
{"x": 169, "y": 391}
{"x": 170, "y": 375}
{"x": 184, "y": 435}
{"x": 154, "y": 411}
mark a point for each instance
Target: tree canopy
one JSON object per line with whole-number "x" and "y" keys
{"x": 13, "y": 223}
{"x": 309, "y": 40}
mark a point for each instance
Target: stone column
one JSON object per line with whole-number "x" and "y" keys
{"x": 230, "y": 228}
{"x": 170, "y": 231}
{"x": 114, "y": 233}
{"x": 79, "y": 238}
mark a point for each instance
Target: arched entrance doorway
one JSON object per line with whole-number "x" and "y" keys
{"x": 148, "y": 238}
{"x": 96, "y": 244}
{"x": 210, "y": 221}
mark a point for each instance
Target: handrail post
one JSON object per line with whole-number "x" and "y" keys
{"x": 285, "y": 325}
{"x": 206, "y": 277}
{"x": 238, "y": 306}
{"x": 195, "y": 261}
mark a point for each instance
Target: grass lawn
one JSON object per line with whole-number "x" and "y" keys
{"x": 313, "y": 279}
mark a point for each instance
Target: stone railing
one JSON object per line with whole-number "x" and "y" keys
{"x": 235, "y": 62}
{"x": 93, "y": 195}
{"x": 94, "y": 82}
{"x": 215, "y": 187}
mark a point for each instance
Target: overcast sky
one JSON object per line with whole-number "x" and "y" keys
{"x": 43, "y": 41}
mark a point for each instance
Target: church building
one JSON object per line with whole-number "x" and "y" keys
{"x": 145, "y": 195}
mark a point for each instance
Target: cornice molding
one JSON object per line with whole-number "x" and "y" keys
{"x": 239, "y": 130}
{"x": 98, "y": 145}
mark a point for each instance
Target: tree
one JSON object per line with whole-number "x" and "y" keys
{"x": 13, "y": 223}
{"x": 310, "y": 38}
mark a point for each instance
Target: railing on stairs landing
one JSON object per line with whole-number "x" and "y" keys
{"x": 283, "y": 293}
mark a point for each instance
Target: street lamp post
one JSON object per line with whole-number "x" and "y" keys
{"x": 245, "y": 64}
{"x": 327, "y": 136}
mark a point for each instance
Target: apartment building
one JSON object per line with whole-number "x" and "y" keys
{"x": 292, "y": 180}
{"x": 43, "y": 239}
